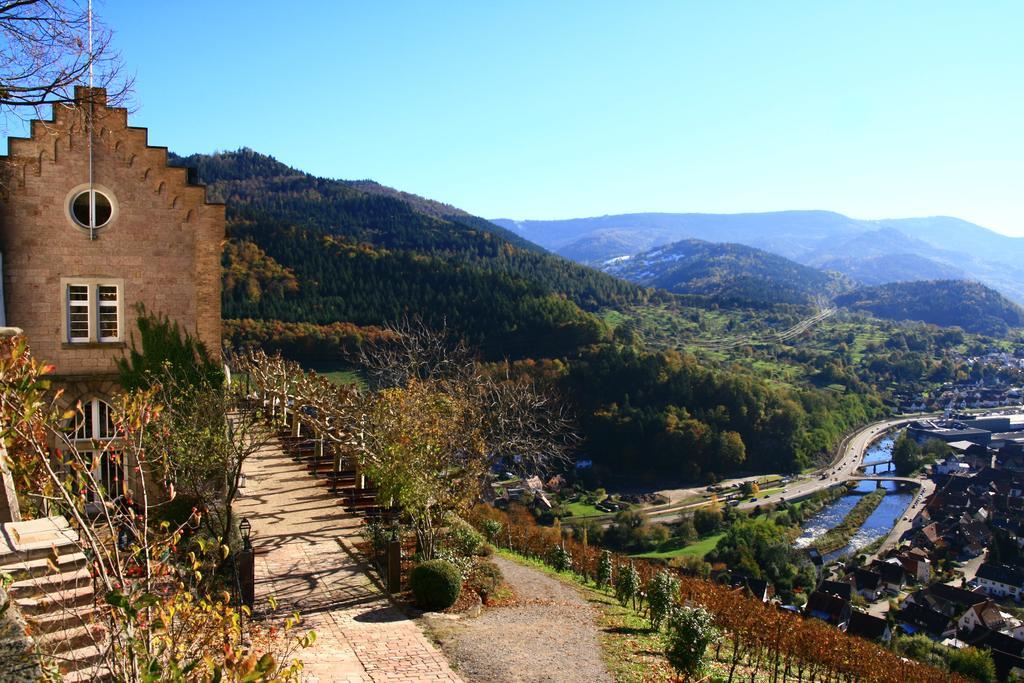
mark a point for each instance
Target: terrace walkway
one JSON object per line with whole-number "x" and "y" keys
{"x": 296, "y": 528}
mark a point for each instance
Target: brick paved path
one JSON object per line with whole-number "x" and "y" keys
{"x": 296, "y": 526}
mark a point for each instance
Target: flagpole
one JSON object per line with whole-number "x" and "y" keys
{"x": 92, "y": 193}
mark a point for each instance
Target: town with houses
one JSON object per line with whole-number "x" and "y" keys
{"x": 992, "y": 389}
{"x": 956, "y": 575}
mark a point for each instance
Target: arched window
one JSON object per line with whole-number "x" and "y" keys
{"x": 92, "y": 433}
{"x": 94, "y": 422}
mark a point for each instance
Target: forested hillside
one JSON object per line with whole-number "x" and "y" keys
{"x": 883, "y": 268}
{"x": 727, "y": 274}
{"x": 314, "y": 267}
{"x": 969, "y": 305}
{"x": 314, "y": 250}
{"x": 664, "y": 415}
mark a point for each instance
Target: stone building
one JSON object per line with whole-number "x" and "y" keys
{"x": 88, "y": 232}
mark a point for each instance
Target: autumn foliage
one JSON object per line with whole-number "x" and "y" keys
{"x": 774, "y": 644}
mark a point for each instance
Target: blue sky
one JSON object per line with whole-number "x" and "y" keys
{"x": 562, "y": 109}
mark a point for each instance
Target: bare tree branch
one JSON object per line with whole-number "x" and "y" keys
{"x": 44, "y": 54}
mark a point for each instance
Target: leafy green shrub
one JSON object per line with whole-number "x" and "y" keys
{"x": 560, "y": 559}
{"x": 485, "y": 578}
{"x": 462, "y": 539}
{"x": 492, "y": 528}
{"x": 485, "y": 550}
{"x": 690, "y": 632}
{"x": 707, "y": 520}
{"x": 627, "y": 584}
{"x": 435, "y": 584}
{"x": 463, "y": 563}
{"x": 604, "y": 570}
{"x": 662, "y": 592}
{"x": 973, "y": 663}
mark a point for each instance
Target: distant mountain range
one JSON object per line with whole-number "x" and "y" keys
{"x": 737, "y": 275}
{"x": 307, "y": 254}
{"x": 727, "y": 274}
{"x": 871, "y": 252}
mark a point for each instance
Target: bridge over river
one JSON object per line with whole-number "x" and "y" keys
{"x": 848, "y": 466}
{"x": 883, "y": 477}
{"x": 876, "y": 465}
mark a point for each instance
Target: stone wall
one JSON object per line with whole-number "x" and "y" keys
{"x": 18, "y": 658}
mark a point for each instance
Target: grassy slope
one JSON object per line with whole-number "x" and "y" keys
{"x": 581, "y": 510}
{"x": 697, "y": 549}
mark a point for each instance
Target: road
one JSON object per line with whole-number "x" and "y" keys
{"x": 851, "y": 453}
{"x": 844, "y": 468}
{"x": 906, "y": 522}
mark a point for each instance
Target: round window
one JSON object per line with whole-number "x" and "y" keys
{"x": 91, "y": 209}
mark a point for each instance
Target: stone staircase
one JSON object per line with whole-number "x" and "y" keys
{"x": 339, "y": 476}
{"x": 53, "y": 590}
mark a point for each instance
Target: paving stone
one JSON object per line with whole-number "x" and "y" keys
{"x": 300, "y": 532}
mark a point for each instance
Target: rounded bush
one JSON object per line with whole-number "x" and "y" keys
{"x": 435, "y": 584}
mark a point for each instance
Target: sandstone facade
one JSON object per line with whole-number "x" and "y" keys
{"x": 160, "y": 248}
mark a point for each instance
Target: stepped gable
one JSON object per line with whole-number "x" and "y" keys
{"x": 160, "y": 240}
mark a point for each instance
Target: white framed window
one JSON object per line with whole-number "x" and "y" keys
{"x": 94, "y": 422}
{"x": 108, "y": 312}
{"x": 93, "y": 310}
{"x": 78, "y": 313}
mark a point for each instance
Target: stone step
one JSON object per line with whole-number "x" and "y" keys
{"x": 68, "y": 561}
{"x": 63, "y": 618}
{"x": 91, "y": 674}
{"x": 60, "y": 643}
{"x": 36, "y": 539}
{"x": 65, "y": 599}
{"x": 38, "y": 553}
{"x": 49, "y": 583}
{"x": 84, "y": 663}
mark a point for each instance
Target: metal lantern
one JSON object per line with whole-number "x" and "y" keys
{"x": 245, "y": 529}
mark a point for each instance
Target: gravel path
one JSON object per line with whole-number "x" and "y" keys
{"x": 550, "y": 634}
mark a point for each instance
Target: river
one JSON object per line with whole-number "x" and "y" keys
{"x": 878, "y": 524}
{"x": 880, "y": 452}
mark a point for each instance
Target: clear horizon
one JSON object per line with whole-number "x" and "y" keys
{"x": 586, "y": 109}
